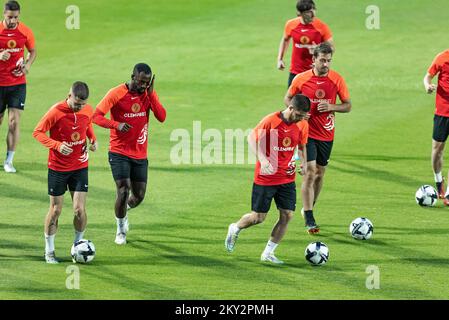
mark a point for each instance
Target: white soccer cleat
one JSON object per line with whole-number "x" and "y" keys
{"x": 120, "y": 238}
{"x": 51, "y": 258}
{"x": 270, "y": 258}
{"x": 8, "y": 167}
{"x": 231, "y": 237}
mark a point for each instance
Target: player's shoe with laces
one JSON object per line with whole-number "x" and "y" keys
{"x": 231, "y": 237}
{"x": 8, "y": 167}
{"x": 120, "y": 238}
{"x": 270, "y": 258}
{"x": 440, "y": 189}
{"x": 311, "y": 226}
{"x": 51, "y": 258}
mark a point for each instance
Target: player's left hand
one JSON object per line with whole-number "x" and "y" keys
{"x": 324, "y": 107}
{"x": 22, "y": 70}
{"x": 151, "y": 86}
{"x": 93, "y": 146}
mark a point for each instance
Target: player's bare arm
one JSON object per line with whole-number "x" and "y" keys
{"x": 265, "y": 165}
{"x": 343, "y": 107}
{"x": 428, "y": 85}
{"x": 285, "y": 41}
{"x": 302, "y": 152}
{"x": 287, "y": 99}
{"x": 29, "y": 61}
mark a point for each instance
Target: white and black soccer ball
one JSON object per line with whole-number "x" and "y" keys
{"x": 426, "y": 196}
{"x": 83, "y": 251}
{"x": 317, "y": 253}
{"x": 361, "y": 228}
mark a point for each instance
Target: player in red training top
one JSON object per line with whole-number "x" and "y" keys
{"x": 14, "y": 38}
{"x": 130, "y": 105}
{"x": 307, "y": 31}
{"x": 70, "y": 124}
{"x": 440, "y": 66}
{"x": 322, "y": 86}
{"x": 274, "y": 141}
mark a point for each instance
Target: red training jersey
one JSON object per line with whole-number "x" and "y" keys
{"x": 320, "y": 89}
{"x": 279, "y": 140}
{"x": 134, "y": 109}
{"x": 70, "y": 127}
{"x": 440, "y": 66}
{"x": 14, "y": 41}
{"x": 304, "y": 36}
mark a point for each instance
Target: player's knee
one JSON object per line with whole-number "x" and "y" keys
{"x": 258, "y": 218}
{"x": 309, "y": 178}
{"x": 123, "y": 192}
{"x": 13, "y": 124}
{"x": 79, "y": 212}
{"x": 286, "y": 216}
{"x": 55, "y": 212}
{"x": 140, "y": 195}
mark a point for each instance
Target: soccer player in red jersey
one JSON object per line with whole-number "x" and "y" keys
{"x": 130, "y": 105}
{"x": 70, "y": 125}
{"x": 322, "y": 86}
{"x": 440, "y": 66}
{"x": 307, "y": 31}
{"x": 274, "y": 141}
{"x": 14, "y": 38}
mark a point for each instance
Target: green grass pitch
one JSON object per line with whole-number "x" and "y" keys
{"x": 216, "y": 63}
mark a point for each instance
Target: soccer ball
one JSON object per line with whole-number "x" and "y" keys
{"x": 317, "y": 253}
{"x": 83, "y": 251}
{"x": 426, "y": 196}
{"x": 361, "y": 229}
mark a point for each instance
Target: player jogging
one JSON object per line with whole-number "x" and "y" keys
{"x": 274, "y": 141}
{"x": 440, "y": 66}
{"x": 322, "y": 86}
{"x": 70, "y": 125}
{"x": 307, "y": 31}
{"x": 130, "y": 105}
{"x": 14, "y": 38}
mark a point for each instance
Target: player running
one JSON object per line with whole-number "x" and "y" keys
{"x": 307, "y": 32}
{"x": 440, "y": 66}
{"x": 70, "y": 124}
{"x": 322, "y": 86}
{"x": 14, "y": 38}
{"x": 130, "y": 105}
{"x": 274, "y": 141}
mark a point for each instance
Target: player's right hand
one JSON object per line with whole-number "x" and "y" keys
{"x": 4, "y": 55}
{"x": 281, "y": 65}
{"x": 431, "y": 88}
{"x": 124, "y": 127}
{"x": 65, "y": 149}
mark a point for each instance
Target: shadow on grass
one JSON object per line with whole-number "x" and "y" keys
{"x": 372, "y": 172}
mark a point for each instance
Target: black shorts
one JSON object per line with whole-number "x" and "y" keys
{"x": 290, "y": 78}
{"x": 124, "y": 167}
{"x": 13, "y": 97}
{"x": 440, "y": 128}
{"x": 284, "y": 196}
{"x": 319, "y": 151}
{"x": 60, "y": 181}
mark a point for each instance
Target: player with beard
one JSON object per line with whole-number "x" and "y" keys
{"x": 129, "y": 105}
